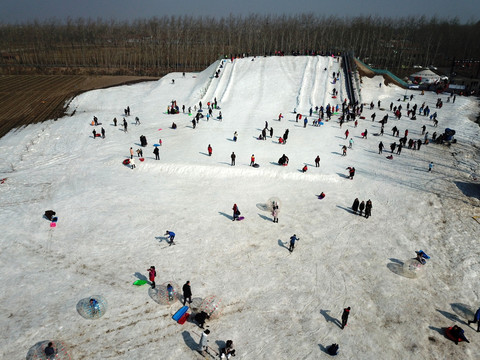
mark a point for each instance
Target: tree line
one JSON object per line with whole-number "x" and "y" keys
{"x": 158, "y": 46}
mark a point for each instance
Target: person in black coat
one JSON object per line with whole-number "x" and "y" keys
{"x": 332, "y": 349}
{"x": 157, "y": 153}
{"x": 201, "y": 317}
{"x": 368, "y": 209}
{"x": 356, "y": 202}
{"x": 345, "y": 314}
{"x": 362, "y": 206}
{"x": 187, "y": 293}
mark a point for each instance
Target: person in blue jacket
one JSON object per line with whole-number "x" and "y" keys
{"x": 292, "y": 242}
{"x": 476, "y": 319}
{"x": 171, "y": 236}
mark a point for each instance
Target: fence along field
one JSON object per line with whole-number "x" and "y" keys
{"x": 27, "y": 99}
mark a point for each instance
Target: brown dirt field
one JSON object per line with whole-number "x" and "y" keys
{"x": 28, "y": 99}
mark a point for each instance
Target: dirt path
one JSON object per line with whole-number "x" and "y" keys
{"x": 27, "y": 99}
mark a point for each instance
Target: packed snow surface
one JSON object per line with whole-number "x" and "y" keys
{"x": 273, "y": 304}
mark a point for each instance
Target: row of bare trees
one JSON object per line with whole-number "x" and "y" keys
{"x": 159, "y": 45}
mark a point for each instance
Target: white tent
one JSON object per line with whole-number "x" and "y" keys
{"x": 426, "y": 77}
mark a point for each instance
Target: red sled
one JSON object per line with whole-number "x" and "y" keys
{"x": 184, "y": 318}
{"x": 334, "y": 97}
{"x": 126, "y": 161}
{"x": 363, "y": 134}
{"x": 299, "y": 116}
{"x": 362, "y": 117}
{"x": 142, "y": 159}
{"x": 98, "y": 135}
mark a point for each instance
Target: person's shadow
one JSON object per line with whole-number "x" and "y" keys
{"x": 323, "y": 348}
{"x": 140, "y": 276}
{"x": 450, "y": 316}
{"x": 226, "y": 215}
{"x": 331, "y": 319}
{"x": 346, "y": 209}
{"x": 265, "y": 217}
{"x": 282, "y": 244}
{"x": 162, "y": 238}
{"x": 341, "y": 174}
{"x": 189, "y": 341}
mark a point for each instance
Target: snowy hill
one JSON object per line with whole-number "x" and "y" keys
{"x": 275, "y": 304}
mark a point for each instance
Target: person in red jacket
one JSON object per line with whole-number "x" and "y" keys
{"x": 252, "y": 160}
{"x": 151, "y": 275}
{"x": 236, "y": 212}
{"x": 346, "y": 134}
{"x": 209, "y": 150}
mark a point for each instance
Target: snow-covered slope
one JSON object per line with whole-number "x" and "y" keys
{"x": 275, "y": 304}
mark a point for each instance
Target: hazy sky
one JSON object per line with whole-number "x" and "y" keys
{"x": 19, "y": 11}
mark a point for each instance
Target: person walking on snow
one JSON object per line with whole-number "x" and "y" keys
{"x": 430, "y": 166}
{"x": 365, "y": 133}
{"x": 346, "y": 134}
{"x": 356, "y": 202}
{"x": 305, "y": 168}
{"x": 236, "y": 212}
{"x": 157, "y": 153}
{"x": 103, "y": 133}
{"x": 233, "y": 156}
{"x": 317, "y": 161}
{"x": 203, "y": 344}
{"x": 209, "y": 149}
{"x": 131, "y": 153}
{"x": 292, "y": 242}
{"x": 151, "y": 275}
{"x": 94, "y": 133}
{"x": 350, "y": 143}
{"x": 351, "y": 172}
{"x": 476, "y": 319}
{"x": 344, "y": 150}
{"x": 171, "y": 236}
{"x": 271, "y": 131}
{"x": 125, "y": 125}
{"x": 368, "y": 209}
{"x": 345, "y": 314}
{"x": 132, "y": 163}
{"x": 380, "y": 147}
{"x": 252, "y": 160}
{"x": 187, "y": 293}
{"x": 275, "y": 212}
{"x": 361, "y": 207}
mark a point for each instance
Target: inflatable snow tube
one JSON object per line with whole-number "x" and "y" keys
{"x": 92, "y": 311}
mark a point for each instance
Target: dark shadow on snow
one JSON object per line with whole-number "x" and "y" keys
{"x": 282, "y": 244}
{"x": 342, "y": 174}
{"x": 162, "y": 238}
{"x": 463, "y": 310}
{"x": 469, "y": 189}
{"x": 331, "y": 319}
{"x": 439, "y": 330}
{"x": 346, "y": 209}
{"x": 226, "y": 215}
{"x": 262, "y": 207}
{"x": 189, "y": 341}
{"x": 201, "y": 152}
{"x": 396, "y": 261}
{"x": 264, "y": 217}
{"x": 140, "y": 276}
{"x": 450, "y": 316}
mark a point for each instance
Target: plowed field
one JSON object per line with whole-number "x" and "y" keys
{"x": 26, "y": 99}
